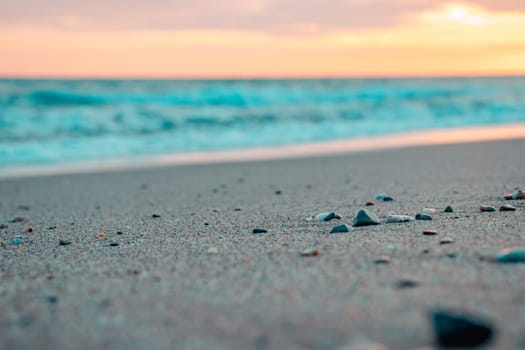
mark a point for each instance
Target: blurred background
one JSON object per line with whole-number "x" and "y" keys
{"x": 112, "y": 79}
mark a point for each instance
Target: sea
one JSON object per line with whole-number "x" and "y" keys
{"x": 56, "y": 122}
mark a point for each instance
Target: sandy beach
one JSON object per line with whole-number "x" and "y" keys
{"x": 178, "y": 267}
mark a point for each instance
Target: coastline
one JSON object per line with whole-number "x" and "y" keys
{"x": 366, "y": 144}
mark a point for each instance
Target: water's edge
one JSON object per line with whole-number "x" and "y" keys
{"x": 365, "y": 144}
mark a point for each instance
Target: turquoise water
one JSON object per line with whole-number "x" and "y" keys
{"x": 63, "y": 121}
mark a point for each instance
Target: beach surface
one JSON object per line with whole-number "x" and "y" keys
{"x": 188, "y": 273}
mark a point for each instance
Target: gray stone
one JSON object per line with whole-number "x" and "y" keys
{"x": 340, "y": 229}
{"x": 507, "y": 207}
{"x": 327, "y": 216}
{"x": 449, "y": 209}
{"x": 365, "y": 218}
{"x": 423, "y": 216}
{"x": 259, "y": 230}
{"x": 487, "y": 209}
{"x": 399, "y": 218}
{"x": 384, "y": 197}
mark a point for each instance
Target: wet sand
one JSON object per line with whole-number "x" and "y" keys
{"x": 163, "y": 287}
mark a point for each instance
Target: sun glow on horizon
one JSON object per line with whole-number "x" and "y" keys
{"x": 451, "y": 39}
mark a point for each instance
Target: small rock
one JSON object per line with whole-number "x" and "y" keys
{"x": 518, "y": 194}
{"x": 369, "y": 204}
{"x": 429, "y": 211}
{"x": 423, "y": 216}
{"x": 3, "y": 226}
{"x": 430, "y": 232}
{"x": 407, "y": 283}
{"x": 446, "y": 240}
{"x": 64, "y": 242}
{"x": 507, "y": 207}
{"x": 449, "y": 209}
{"x": 486, "y": 209}
{"x": 155, "y": 216}
{"x": 18, "y": 219}
{"x": 52, "y": 299}
{"x": 101, "y": 235}
{"x": 327, "y": 216}
{"x": 310, "y": 252}
{"x": 23, "y": 207}
{"x": 452, "y": 255}
{"x": 119, "y": 232}
{"x": 28, "y": 230}
{"x": 19, "y": 239}
{"x": 113, "y": 244}
{"x": 213, "y": 250}
{"x": 278, "y": 192}
{"x": 365, "y": 218}
{"x": 340, "y": 229}
{"x": 237, "y": 209}
{"x": 384, "y": 197}
{"x": 382, "y": 260}
{"x": 511, "y": 255}
{"x": 398, "y": 218}
{"x": 51, "y": 227}
{"x": 453, "y": 329}
{"x": 259, "y": 230}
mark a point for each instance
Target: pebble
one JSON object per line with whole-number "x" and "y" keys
{"x": 237, "y": 209}
{"x": 213, "y": 250}
{"x": 19, "y": 239}
{"x": 3, "y": 227}
{"x": 365, "y": 218}
{"x": 507, "y": 207}
{"x": 51, "y": 227}
{"x": 17, "y": 219}
{"x": 486, "y": 209}
{"x": 155, "y": 216}
{"x": 23, "y": 207}
{"x": 113, "y": 244}
{"x": 429, "y": 211}
{"x": 52, "y": 299}
{"x": 423, "y": 216}
{"x": 278, "y": 192}
{"x": 28, "y": 230}
{"x": 384, "y": 197}
{"x": 310, "y": 252}
{"x": 101, "y": 235}
{"x": 259, "y": 230}
{"x": 518, "y": 194}
{"x": 447, "y": 240}
{"x": 328, "y": 216}
{"x": 382, "y": 260}
{"x": 430, "y": 232}
{"x": 340, "y": 229}
{"x": 406, "y": 284}
{"x": 119, "y": 232}
{"x": 454, "y": 329}
{"x": 511, "y": 255}
{"x": 64, "y": 242}
{"x": 369, "y": 204}
{"x": 449, "y": 209}
{"x": 399, "y": 218}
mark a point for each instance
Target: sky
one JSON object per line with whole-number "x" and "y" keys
{"x": 261, "y": 38}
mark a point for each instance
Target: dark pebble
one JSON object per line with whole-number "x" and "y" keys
{"x": 23, "y": 207}
{"x": 155, "y": 216}
{"x": 446, "y": 240}
{"x": 369, "y": 204}
{"x": 382, "y": 260}
{"x": 259, "y": 230}
{"x": 18, "y": 219}
{"x": 402, "y": 284}
{"x": 51, "y": 227}
{"x": 278, "y": 192}
{"x": 3, "y": 227}
{"x": 365, "y": 218}
{"x": 113, "y": 244}
{"x": 430, "y": 232}
{"x": 64, "y": 242}
{"x": 119, "y": 232}
{"x": 507, "y": 207}
{"x": 340, "y": 229}
{"x": 237, "y": 209}
{"x": 28, "y": 230}
{"x": 52, "y": 299}
{"x": 486, "y": 209}
{"x": 449, "y": 209}
{"x": 452, "y": 255}
{"x": 206, "y": 224}
{"x": 454, "y": 330}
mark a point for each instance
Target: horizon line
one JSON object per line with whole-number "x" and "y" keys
{"x": 260, "y": 77}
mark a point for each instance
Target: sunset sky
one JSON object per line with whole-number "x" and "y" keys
{"x": 261, "y": 38}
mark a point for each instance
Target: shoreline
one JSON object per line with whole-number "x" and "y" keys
{"x": 317, "y": 149}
